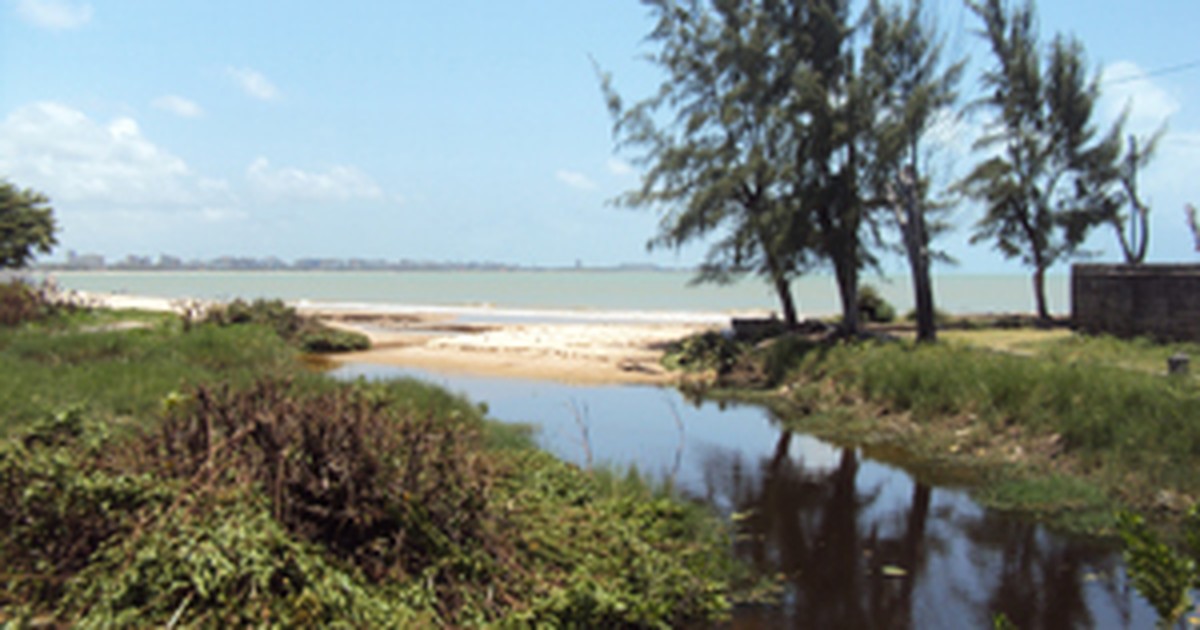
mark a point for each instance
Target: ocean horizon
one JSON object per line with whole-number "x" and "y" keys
{"x": 577, "y": 291}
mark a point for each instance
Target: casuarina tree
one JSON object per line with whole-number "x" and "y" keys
{"x": 1041, "y": 146}
{"x": 714, "y": 143}
{"x": 916, "y": 91}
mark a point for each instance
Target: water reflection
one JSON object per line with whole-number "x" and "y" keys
{"x": 858, "y": 543}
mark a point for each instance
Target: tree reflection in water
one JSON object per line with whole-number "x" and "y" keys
{"x": 855, "y": 554}
{"x": 861, "y": 545}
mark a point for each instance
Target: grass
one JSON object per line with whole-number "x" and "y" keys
{"x": 1062, "y": 426}
{"x": 123, "y": 374}
{"x": 157, "y": 476}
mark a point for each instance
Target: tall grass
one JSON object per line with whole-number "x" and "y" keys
{"x": 124, "y": 373}
{"x": 1141, "y": 421}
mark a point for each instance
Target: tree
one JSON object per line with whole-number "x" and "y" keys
{"x": 1035, "y": 187}
{"x": 830, "y": 115}
{"x": 718, "y": 164}
{"x": 1135, "y": 241}
{"x": 27, "y": 225}
{"x": 904, "y": 59}
{"x": 1193, "y": 224}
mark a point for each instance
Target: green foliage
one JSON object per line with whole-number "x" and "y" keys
{"x": 607, "y": 552}
{"x": 27, "y": 225}
{"x": 329, "y": 340}
{"x": 310, "y": 503}
{"x": 222, "y": 561}
{"x": 1162, "y": 574}
{"x": 395, "y": 494}
{"x": 873, "y": 307}
{"x": 709, "y": 350}
{"x": 274, "y": 314}
{"x": 307, "y": 333}
{"x": 1039, "y": 188}
{"x": 940, "y": 317}
{"x": 19, "y": 303}
{"x": 1134, "y": 433}
{"x": 121, "y": 374}
{"x": 59, "y": 504}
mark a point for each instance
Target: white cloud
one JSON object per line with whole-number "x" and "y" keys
{"x": 619, "y": 167}
{"x": 71, "y": 157}
{"x": 178, "y": 105}
{"x": 254, "y": 83}
{"x": 56, "y": 15}
{"x": 339, "y": 183}
{"x": 575, "y": 180}
{"x": 1124, "y": 84}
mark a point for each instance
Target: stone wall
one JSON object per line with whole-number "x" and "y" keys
{"x": 1161, "y": 301}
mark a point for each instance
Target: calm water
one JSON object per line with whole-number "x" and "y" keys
{"x": 858, "y": 542}
{"x": 561, "y": 290}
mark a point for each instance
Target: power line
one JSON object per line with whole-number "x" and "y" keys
{"x": 1154, "y": 73}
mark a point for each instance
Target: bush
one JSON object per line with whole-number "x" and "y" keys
{"x": 333, "y": 340}
{"x": 19, "y": 303}
{"x": 305, "y": 332}
{"x": 706, "y": 351}
{"x": 396, "y": 494}
{"x": 873, "y": 307}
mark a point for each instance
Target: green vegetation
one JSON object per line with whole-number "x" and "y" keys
{"x": 305, "y": 332}
{"x": 873, "y": 308}
{"x": 1048, "y": 179}
{"x": 1164, "y": 575}
{"x": 152, "y": 476}
{"x": 1063, "y": 433}
{"x": 782, "y": 126}
{"x": 27, "y": 225}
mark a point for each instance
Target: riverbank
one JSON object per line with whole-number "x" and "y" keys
{"x": 1062, "y": 426}
{"x": 173, "y": 474}
{"x": 595, "y": 347}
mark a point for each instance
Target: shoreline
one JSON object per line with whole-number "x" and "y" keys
{"x": 576, "y": 347}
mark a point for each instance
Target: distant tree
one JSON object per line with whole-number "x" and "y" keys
{"x": 715, "y": 144}
{"x": 1136, "y": 239}
{"x": 916, "y": 88}
{"x": 27, "y": 225}
{"x": 1035, "y": 186}
{"x": 1190, "y": 210}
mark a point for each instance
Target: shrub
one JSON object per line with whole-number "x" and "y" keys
{"x": 333, "y": 340}
{"x": 306, "y": 332}
{"x": 706, "y": 351}
{"x": 20, "y": 303}
{"x": 873, "y": 307}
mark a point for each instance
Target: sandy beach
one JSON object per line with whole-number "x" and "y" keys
{"x": 580, "y": 348}
{"x": 594, "y": 352}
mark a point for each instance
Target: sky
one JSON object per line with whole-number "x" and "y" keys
{"x": 458, "y": 130}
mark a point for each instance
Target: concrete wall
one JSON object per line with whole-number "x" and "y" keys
{"x": 1161, "y": 301}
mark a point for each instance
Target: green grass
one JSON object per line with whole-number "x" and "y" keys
{"x": 124, "y": 373}
{"x": 1044, "y": 418}
{"x": 1119, "y": 422}
{"x": 140, "y": 484}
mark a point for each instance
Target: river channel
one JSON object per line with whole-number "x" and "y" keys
{"x": 858, "y": 543}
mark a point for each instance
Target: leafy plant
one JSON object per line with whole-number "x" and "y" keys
{"x": 873, "y": 307}
{"x": 1162, "y": 574}
{"x": 306, "y": 332}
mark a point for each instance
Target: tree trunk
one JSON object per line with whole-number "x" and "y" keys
{"x": 1039, "y": 293}
{"x": 847, "y": 279}
{"x": 783, "y": 288}
{"x": 916, "y": 244}
{"x": 923, "y": 290}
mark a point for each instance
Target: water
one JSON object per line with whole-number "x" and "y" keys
{"x": 636, "y": 291}
{"x": 859, "y": 543}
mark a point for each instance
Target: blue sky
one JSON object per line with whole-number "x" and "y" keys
{"x": 452, "y": 130}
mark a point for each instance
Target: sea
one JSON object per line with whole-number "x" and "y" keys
{"x": 584, "y": 294}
